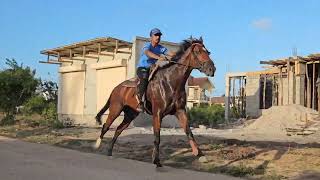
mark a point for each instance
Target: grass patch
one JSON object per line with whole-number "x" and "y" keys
{"x": 216, "y": 146}
{"x": 237, "y": 171}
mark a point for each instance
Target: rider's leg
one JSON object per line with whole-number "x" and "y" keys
{"x": 143, "y": 74}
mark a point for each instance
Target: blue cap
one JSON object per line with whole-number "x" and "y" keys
{"x": 155, "y": 31}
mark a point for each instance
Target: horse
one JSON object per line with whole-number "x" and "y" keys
{"x": 165, "y": 95}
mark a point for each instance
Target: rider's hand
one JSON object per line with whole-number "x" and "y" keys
{"x": 162, "y": 58}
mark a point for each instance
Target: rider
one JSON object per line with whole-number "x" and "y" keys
{"x": 151, "y": 52}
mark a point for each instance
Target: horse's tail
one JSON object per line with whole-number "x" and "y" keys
{"x": 100, "y": 113}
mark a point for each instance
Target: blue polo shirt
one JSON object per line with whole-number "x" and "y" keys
{"x": 145, "y": 61}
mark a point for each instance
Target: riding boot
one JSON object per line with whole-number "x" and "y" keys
{"x": 141, "y": 90}
{"x": 143, "y": 75}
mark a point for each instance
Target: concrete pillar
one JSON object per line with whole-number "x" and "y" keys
{"x": 253, "y": 96}
{"x": 227, "y": 99}
{"x": 300, "y": 89}
{"x": 90, "y": 94}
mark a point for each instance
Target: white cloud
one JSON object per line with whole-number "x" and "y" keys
{"x": 262, "y": 24}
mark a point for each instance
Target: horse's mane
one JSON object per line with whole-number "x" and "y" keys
{"x": 184, "y": 45}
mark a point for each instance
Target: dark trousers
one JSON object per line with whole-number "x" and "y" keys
{"x": 143, "y": 75}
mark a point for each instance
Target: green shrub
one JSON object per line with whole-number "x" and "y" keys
{"x": 7, "y": 120}
{"x": 206, "y": 115}
{"x": 50, "y": 116}
{"x": 35, "y": 104}
{"x": 18, "y": 83}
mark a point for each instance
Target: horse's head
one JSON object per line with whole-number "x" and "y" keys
{"x": 199, "y": 57}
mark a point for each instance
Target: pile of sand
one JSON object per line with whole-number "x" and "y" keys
{"x": 278, "y": 119}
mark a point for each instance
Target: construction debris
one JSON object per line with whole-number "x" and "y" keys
{"x": 289, "y": 120}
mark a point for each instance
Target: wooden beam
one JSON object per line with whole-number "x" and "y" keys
{"x": 312, "y": 62}
{"x": 50, "y": 62}
{"x": 67, "y": 61}
{"x": 103, "y": 54}
{"x": 92, "y": 57}
{"x": 124, "y": 52}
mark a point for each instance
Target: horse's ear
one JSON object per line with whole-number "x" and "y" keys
{"x": 191, "y": 38}
{"x": 200, "y": 39}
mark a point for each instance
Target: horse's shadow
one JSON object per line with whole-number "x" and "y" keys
{"x": 176, "y": 152}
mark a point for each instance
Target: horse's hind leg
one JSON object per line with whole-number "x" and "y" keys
{"x": 129, "y": 115}
{"x": 114, "y": 111}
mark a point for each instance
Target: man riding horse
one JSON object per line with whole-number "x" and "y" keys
{"x": 151, "y": 52}
{"x": 165, "y": 94}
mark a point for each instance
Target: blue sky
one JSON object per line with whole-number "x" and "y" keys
{"x": 239, "y": 33}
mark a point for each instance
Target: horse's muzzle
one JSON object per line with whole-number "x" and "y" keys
{"x": 208, "y": 68}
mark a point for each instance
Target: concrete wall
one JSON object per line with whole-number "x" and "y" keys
{"x": 85, "y": 88}
{"x": 253, "y": 96}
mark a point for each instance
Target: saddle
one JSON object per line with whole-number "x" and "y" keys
{"x": 133, "y": 82}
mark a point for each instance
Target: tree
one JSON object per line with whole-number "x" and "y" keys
{"x": 17, "y": 84}
{"x": 206, "y": 115}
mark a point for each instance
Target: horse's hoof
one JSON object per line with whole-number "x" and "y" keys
{"x": 200, "y": 154}
{"x": 109, "y": 153}
{"x": 97, "y": 144}
{"x": 203, "y": 159}
{"x": 158, "y": 165}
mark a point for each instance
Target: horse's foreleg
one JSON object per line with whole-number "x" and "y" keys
{"x": 156, "y": 131}
{"x": 183, "y": 120}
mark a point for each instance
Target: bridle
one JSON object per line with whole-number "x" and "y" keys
{"x": 190, "y": 49}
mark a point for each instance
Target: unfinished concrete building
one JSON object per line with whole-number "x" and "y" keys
{"x": 88, "y": 72}
{"x": 292, "y": 80}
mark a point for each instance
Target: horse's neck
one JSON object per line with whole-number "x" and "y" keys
{"x": 179, "y": 76}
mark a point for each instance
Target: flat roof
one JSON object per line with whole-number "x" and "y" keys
{"x": 284, "y": 61}
{"x": 92, "y": 45}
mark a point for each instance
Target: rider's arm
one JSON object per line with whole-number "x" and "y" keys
{"x": 153, "y": 55}
{"x": 170, "y": 54}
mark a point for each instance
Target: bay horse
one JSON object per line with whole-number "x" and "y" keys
{"x": 165, "y": 95}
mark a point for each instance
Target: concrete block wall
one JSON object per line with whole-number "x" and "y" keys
{"x": 253, "y": 96}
